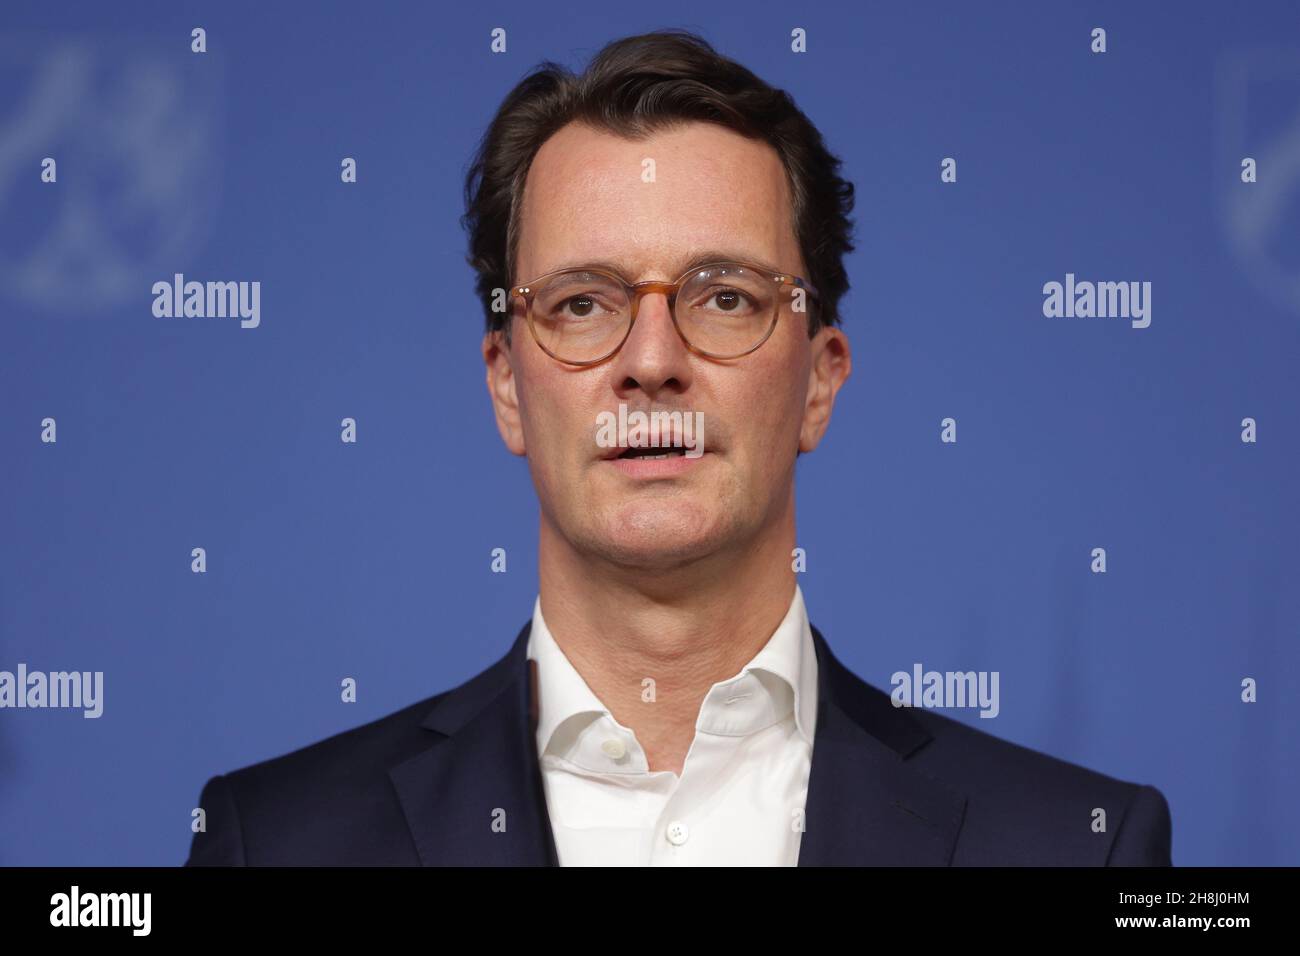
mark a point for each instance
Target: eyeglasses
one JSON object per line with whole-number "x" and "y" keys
{"x": 722, "y": 310}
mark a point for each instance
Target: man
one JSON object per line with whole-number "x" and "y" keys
{"x": 659, "y": 248}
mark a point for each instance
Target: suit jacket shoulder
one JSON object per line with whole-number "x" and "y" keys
{"x": 1022, "y": 807}
{"x": 333, "y": 801}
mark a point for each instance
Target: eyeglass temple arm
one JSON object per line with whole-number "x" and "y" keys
{"x": 799, "y": 283}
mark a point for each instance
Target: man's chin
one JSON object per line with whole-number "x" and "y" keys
{"x": 658, "y": 538}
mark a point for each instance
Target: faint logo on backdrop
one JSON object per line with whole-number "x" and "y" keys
{"x": 1257, "y": 116}
{"x": 133, "y": 128}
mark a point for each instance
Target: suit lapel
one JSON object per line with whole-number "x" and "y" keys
{"x": 865, "y": 806}
{"x": 474, "y": 797}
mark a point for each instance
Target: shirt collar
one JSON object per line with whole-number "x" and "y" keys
{"x": 779, "y": 679}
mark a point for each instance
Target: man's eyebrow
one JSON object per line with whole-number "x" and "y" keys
{"x": 694, "y": 261}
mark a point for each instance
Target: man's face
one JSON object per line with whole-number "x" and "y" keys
{"x": 586, "y": 202}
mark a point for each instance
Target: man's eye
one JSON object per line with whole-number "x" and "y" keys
{"x": 582, "y": 306}
{"x": 728, "y": 301}
{"x": 577, "y": 305}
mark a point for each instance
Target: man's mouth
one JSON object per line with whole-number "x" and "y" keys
{"x": 655, "y": 462}
{"x": 652, "y": 453}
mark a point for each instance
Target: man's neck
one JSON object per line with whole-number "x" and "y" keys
{"x": 685, "y": 629}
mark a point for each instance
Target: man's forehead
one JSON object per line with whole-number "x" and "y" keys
{"x": 681, "y": 195}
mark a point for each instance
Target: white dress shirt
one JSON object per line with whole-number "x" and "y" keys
{"x": 740, "y": 797}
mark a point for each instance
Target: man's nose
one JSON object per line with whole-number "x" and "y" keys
{"x": 653, "y": 354}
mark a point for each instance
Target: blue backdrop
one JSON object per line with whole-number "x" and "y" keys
{"x": 371, "y": 560}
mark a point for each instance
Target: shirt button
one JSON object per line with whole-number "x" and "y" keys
{"x": 678, "y": 833}
{"x": 613, "y": 748}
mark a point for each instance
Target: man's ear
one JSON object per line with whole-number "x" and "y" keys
{"x": 501, "y": 389}
{"x": 832, "y": 362}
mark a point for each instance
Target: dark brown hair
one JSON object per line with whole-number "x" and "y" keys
{"x": 633, "y": 87}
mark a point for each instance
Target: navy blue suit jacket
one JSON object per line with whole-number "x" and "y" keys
{"x": 888, "y": 786}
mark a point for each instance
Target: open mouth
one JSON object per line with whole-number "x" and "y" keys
{"x": 653, "y": 454}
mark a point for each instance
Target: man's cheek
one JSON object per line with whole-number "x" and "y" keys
{"x": 548, "y": 464}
